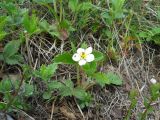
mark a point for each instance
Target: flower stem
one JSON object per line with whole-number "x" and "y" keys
{"x": 78, "y": 76}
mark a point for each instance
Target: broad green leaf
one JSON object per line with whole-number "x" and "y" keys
{"x": 101, "y": 78}
{"x": 29, "y": 89}
{"x": 64, "y": 58}
{"x": 84, "y": 98}
{"x": 67, "y": 88}
{"x": 69, "y": 83}
{"x": 46, "y": 72}
{"x": 98, "y": 56}
{"x": 13, "y": 60}
{"x": 65, "y": 91}
{"x": 5, "y": 85}
{"x": 30, "y": 23}
{"x": 90, "y": 68}
{"x": 79, "y": 93}
{"x": 11, "y": 48}
{"x": 47, "y": 95}
{"x": 114, "y": 78}
{"x": 54, "y": 85}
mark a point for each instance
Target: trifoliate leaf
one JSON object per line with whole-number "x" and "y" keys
{"x": 101, "y": 78}
{"x": 67, "y": 88}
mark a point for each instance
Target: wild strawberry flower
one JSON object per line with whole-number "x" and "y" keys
{"x": 153, "y": 81}
{"x": 83, "y": 56}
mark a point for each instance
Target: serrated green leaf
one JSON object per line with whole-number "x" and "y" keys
{"x": 28, "y": 90}
{"x": 114, "y": 78}
{"x": 54, "y": 85}
{"x": 98, "y": 56}
{"x": 46, "y": 72}
{"x": 30, "y": 23}
{"x": 79, "y": 93}
{"x": 101, "y": 78}
{"x": 11, "y": 48}
{"x": 90, "y": 68}
{"x": 5, "y": 85}
{"x": 64, "y": 58}
{"x": 69, "y": 83}
{"x": 67, "y": 88}
{"x": 13, "y": 60}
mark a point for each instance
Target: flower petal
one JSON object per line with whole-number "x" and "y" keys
{"x": 90, "y": 58}
{"x": 153, "y": 81}
{"x": 76, "y": 57}
{"x": 82, "y": 62}
{"x": 80, "y": 50}
{"x": 88, "y": 50}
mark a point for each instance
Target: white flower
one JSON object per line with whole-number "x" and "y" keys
{"x": 153, "y": 81}
{"x": 25, "y": 31}
{"x": 83, "y": 56}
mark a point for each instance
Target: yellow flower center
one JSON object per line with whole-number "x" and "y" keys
{"x": 83, "y": 55}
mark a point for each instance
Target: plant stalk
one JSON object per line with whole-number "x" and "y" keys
{"x": 78, "y": 76}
